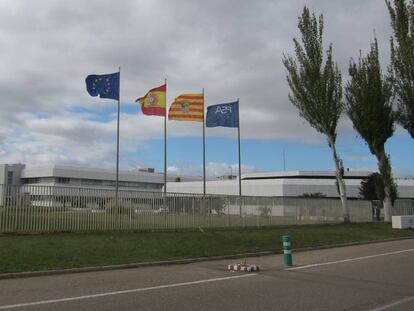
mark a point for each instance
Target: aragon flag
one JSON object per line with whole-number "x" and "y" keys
{"x": 154, "y": 102}
{"x": 187, "y": 107}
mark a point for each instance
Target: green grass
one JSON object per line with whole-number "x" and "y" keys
{"x": 69, "y": 250}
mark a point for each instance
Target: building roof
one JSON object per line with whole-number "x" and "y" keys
{"x": 348, "y": 174}
{"x": 66, "y": 171}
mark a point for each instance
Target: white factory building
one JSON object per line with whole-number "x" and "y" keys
{"x": 68, "y": 186}
{"x": 274, "y": 184}
{"x": 80, "y": 177}
{"x": 288, "y": 184}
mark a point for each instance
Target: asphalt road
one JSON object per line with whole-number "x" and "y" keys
{"x": 366, "y": 277}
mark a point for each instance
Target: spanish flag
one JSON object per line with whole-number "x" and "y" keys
{"x": 187, "y": 107}
{"x": 153, "y": 103}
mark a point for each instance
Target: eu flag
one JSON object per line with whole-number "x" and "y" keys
{"x": 106, "y": 86}
{"x": 226, "y": 115}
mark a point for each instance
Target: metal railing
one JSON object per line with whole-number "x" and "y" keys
{"x": 51, "y": 209}
{"x": 403, "y": 207}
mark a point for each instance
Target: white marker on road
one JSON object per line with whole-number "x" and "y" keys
{"x": 393, "y": 304}
{"x": 350, "y": 259}
{"x": 128, "y": 291}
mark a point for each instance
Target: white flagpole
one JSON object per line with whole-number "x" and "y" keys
{"x": 117, "y": 138}
{"x": 165, "y": 146}
{"x": 238, "y": 132}
{"x": 204, "y": 155}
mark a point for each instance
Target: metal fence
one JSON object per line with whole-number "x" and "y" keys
{"x": 403, "y": 207}
{"x": 51, "y": 209}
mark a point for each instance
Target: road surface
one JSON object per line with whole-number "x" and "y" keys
{"x": 376, "y": 277}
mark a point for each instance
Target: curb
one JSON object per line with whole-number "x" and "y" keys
{"x": 15, "y": 275}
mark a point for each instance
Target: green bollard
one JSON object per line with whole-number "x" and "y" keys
{"x": 287, "y": 251}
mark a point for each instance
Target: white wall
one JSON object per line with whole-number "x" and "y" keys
{"x": 282, "y": 187}
{"x": 265, "y": 187}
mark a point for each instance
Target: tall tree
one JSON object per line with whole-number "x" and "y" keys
{"x": 402, "y": 60}
{"x": 372, "y": 188}
{"x": 316, "y": 88}
{"x": 369, "y": 105}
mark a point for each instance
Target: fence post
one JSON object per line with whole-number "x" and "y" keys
{"x": 228, "y": 212}
{"x": 130, "y": 210}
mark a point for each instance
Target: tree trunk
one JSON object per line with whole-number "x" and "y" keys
{"x": 340, "y": 181}
{"x": 385, "y": 171}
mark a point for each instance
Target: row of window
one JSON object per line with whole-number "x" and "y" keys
{"x": 90, "y": 182}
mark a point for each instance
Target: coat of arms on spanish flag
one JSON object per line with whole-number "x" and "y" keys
{"x": 154, "y": 102}
{"x": 187, "y": 107}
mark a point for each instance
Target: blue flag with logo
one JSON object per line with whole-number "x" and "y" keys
{"x": 106, "y": 86}
{"x": 226, "y": 115}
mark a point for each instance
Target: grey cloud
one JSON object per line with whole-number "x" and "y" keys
{"x": 233, "y": 49}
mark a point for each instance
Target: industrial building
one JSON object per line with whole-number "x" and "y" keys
{"x": 269, "y": 184}
{"x": 289, "y": 184}
{"x": 70, "y": 176}
{"x": 44, "y": 185}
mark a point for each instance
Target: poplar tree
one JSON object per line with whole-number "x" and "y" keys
{"x": 316, "y": 88}
{"x": 372, "y": 188}
{"x": 402, "y": 60}
{"x": 369, "y": 106}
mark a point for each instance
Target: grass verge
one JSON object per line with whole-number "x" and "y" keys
{"x": 69, "y": 250}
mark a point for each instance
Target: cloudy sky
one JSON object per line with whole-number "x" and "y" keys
{"x": 232, "y": 49}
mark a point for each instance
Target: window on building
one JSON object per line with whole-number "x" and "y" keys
{"x": 10, "y": 178}
{"x": 75, "y": 181}
{"x": 46, "y": 180}
{"x": 28, "y": 181}
{"x": 62, "y": 180}
{"x": 91, "y": 182}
